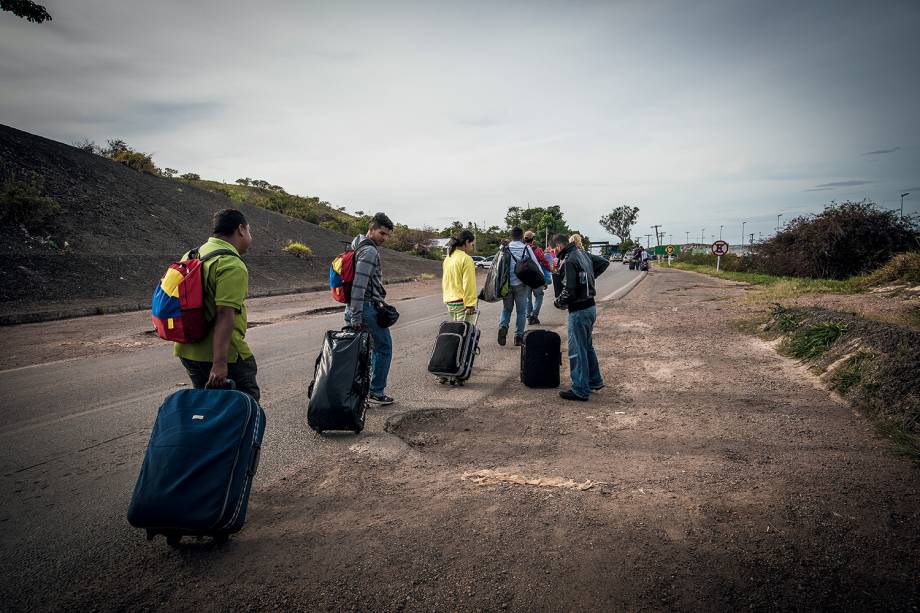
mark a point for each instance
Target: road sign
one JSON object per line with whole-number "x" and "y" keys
{"x": 719, "y": 248}
{"x": 669, "y": 249}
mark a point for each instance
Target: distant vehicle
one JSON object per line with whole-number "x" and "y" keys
{"x": 483, "y": 262}
{"x": 627, "y": 258}
{"x": 616, "y": 256}
{"x": 477, "y": 258}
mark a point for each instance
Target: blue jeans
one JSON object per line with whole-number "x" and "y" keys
{"x": 534, "y": 302}
{"x": 383, "y": 347}
{"x": 583, "y": 366}
{"x": 516, "y": 299}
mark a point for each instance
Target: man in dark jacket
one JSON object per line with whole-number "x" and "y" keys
{"x": 576, "y": 275}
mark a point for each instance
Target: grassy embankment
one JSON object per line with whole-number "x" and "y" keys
{"x": 869, "y": 359}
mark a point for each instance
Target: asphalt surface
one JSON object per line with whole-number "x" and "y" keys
{"x": 73, "y": 433}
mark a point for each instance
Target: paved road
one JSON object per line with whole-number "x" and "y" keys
{"x": 72, "y": 434}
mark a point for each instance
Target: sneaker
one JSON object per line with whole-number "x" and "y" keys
{"x": 518, "y": 341}
{"x": 502, "y": 335}
{"x": 535, "y": 321}
{"x": 597, "y": 388}
{"x": 570, "y": 395}
{"x": 379, "y": 399}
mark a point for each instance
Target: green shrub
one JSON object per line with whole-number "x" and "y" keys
{"x": 298, "y": 249}
{"x": 136, "y": 160}
{"x": 844, "y": 240}
{"x": 21, "y": 203}
{"x": 812, "y": 342}
{"x": 785, "y": 320}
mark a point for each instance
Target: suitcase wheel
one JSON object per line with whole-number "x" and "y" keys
{"x": 174, "y": 540}
{"x": 443, "y": 380}
{"x": 150, "y": 535}
{"x": 220, "y": 539}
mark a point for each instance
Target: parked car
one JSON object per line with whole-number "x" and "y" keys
{"x": 627, "y": 258}
{"x": 483, "y": 262}
{"x": 616, "y": 257}
{"x": 477, "y": 258}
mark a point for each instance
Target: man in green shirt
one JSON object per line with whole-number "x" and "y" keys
{"x": 223, "y": 354}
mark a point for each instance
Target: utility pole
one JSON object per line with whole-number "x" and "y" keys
{"x": 657, "y": 236}
{"x": 752, "y": 240}
{"x": 742, "y": 234}
{"x": 777, "y": 222}
{"x": 720, "y": 232}
{"x": 648, "y": 241}
{"x": 702, "y": 236}
{"x": 902, "y": 203}
{"x": 687, "y": 240}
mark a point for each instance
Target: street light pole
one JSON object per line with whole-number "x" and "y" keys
{"x": 720, "y": 232}
{"x": 742, "y": 234}
{"x": 687, "y": 240}
{"x": 777, "y": 222}
{"x": 902, "y": 203}
{"x": 702, "y": 236}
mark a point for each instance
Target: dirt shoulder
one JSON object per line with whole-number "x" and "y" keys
{"x": 710, "y": 474}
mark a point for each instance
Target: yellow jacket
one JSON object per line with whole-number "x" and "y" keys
{"x": 459, "y": 280}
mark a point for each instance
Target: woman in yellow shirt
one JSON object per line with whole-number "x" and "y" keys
{"x": 459, "y": 280}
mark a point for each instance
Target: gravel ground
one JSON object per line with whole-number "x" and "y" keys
{"x": 710, "y": 474}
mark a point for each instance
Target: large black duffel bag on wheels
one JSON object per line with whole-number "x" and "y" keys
{"x": 541, "y": 358}
{"x": 341, "y": 381}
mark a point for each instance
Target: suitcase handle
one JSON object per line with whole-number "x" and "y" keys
{"x": 229, "y": 384}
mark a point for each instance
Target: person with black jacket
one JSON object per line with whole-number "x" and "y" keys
{"x": 576, "y": 294}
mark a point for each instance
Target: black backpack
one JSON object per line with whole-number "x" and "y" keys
{"x": 528, "y": 270}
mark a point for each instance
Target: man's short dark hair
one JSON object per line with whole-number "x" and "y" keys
{"x": 516, "y": 233}
{"x": 560, "y": 239}
{"x": 226, "y": 221}
{"x": 380, "y": 220}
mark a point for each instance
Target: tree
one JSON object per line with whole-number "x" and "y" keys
{"x": 169, "y": 173}
{"x": 190, "y": 176}
{"x": 26, "y": 9}
{"x": 242, "y": 181}
{"x": 620, "y": 221}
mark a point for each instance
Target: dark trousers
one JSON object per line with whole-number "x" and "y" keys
{"x": 243, "y": 373}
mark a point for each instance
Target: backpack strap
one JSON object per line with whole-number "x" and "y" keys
{"x": 215, "y": 253}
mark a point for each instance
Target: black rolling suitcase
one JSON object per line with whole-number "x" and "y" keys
{"x": 341, "y": 381}
{"x": 541, "y": 358}
{"x": 199, "y": 465}
{"x": 454, "y": 351}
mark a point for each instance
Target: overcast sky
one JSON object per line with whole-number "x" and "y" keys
{"x": 699, "y": 113}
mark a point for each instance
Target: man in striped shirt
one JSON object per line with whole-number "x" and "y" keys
{"x": 367, "y": 292}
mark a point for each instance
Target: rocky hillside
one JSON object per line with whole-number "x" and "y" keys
{"x": 114, "y": 230}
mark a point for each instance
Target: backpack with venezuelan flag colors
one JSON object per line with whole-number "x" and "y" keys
{"x": 178, "y": 300}
{"x": 341, "y": 276}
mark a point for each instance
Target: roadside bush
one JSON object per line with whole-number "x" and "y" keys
{"x": 298, "y": 249}
{"x": 903, "y": 268}
{"x": 21, "y": 203}
{"x": 844, "y": 240}
{"x": 136, "y": 160}
{"x": 815, "y": 340}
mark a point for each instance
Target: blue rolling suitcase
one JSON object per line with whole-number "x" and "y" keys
{"x": 199, "y": 465}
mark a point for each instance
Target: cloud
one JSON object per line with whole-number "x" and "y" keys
{"x": 910, "y": 189}
{"x": 818, "y": 189}
{"x": 479, "y": 122}
{"x": 842, "y": 184}
{"x": 882, "y": 151}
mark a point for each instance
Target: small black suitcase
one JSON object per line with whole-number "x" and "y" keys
{"x": 541, "y": 358}
{"x": 455, "y": 349}
{"x": 341, "y": 381}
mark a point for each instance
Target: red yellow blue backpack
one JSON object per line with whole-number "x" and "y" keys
{"x": 177, "y": 306}
{"x": 341, "y": 276}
